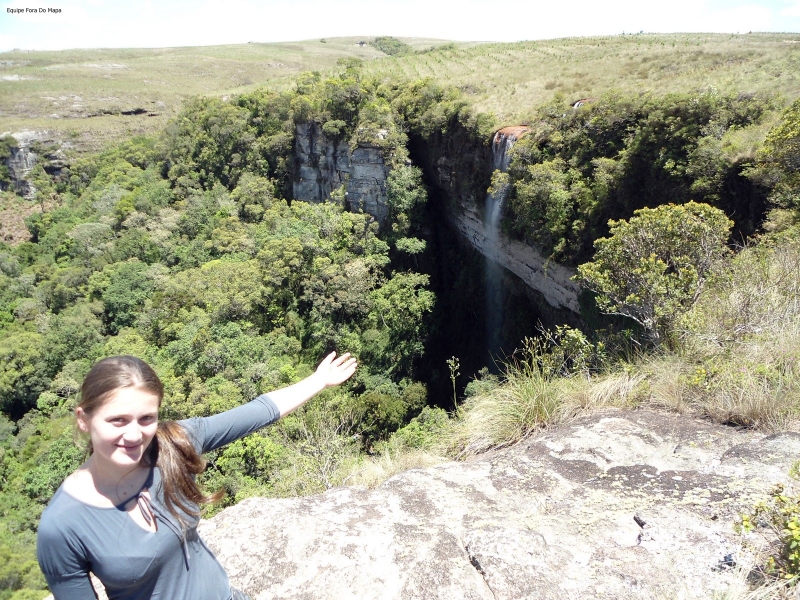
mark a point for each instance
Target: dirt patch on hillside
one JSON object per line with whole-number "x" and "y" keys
{"x": 13, "y": 211}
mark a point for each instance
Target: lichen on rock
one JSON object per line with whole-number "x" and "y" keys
{"x": 621, "y": 504}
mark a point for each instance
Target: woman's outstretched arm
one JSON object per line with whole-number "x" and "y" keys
{"x": 223, "y": 428}
{"x": 332, "y": 371}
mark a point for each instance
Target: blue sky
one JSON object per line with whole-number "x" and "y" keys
{"x": 159, "y": 23}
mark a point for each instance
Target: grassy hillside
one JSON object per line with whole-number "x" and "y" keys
{"x": 511, "y": 79}
{"x": 83, "y": 94}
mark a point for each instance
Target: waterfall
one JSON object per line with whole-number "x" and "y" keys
{"x": 502, "y": 143}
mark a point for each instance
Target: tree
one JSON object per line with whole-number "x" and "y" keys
{"x": 43, "y": 187}
{"x": 210, "y": 141}
{"x": 779, "y": 159}
{"x": 23, "y": 372}
{"x": 654, "y": 266}
{"x": 253, "y": 196}
{"x": 400, "y": 307}
{"x": 74, "y": 334}
{"x": 391, "y": 46}
{"x": 123, "y": 288}
{"x": 405, "y": 195}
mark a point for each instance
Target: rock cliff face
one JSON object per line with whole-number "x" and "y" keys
{"x": 19, "y": 164}
{"x": 461, "y": 170}
{"x": 618, "y": 505}
{"x": 366, "y": 187}
{"x": 550, "y": 279}
{"x": 323, "y": 165}
{"x": 23, "y": 159}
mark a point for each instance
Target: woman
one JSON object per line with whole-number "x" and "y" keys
{"x": 129, "y": 514}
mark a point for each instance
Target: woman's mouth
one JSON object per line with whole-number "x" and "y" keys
{"x": 123, "y": 447}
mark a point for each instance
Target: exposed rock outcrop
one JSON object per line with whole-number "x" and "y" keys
{"x": 23, "y": 159}
{"x": 324, "y": 164}
{"x": 504, "y": 139}
{"x": 19, "y": 164}
{"x": 366, "y": 186}
{"x": 619, "y": 505}
{"x": 549, "y": 278}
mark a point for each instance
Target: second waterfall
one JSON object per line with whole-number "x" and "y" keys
{"x": 502, "y": 143}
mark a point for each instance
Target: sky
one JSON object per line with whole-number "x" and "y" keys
{"x": 60, "y": 25}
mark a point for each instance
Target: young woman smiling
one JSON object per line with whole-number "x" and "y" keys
{"x": 129, "y": 514}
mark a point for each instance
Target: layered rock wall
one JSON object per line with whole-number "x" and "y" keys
{"x": 550, "y": 279}
{"x": 19, "y": 165}
{"x": 366, "y": 186}
{"x": 323, "y": 165}
{"x": 23, "y": 159}
{"x": 462, "y": 169}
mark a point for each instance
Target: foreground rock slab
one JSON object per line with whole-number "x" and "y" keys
{"x": 621, "y": 504}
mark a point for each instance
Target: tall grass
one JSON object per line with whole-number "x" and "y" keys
{"x": 743, "y": 337}
{"x": 527, "y": 400}
{"x": 584, "y": 67}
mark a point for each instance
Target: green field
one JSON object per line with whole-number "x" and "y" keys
{"x": 82, "y": 95}
{"x": 512, "y": 79}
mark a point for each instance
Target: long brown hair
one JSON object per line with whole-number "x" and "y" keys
{"x": 171, "y": 449}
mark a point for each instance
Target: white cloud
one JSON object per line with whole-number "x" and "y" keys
{"x": 741, "y": 18}
{"x": 793, "y": 10}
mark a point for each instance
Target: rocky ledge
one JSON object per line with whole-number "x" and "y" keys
{"x": 621, "y": 504}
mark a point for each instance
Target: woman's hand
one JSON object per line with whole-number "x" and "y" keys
{"x": 333, "y": 371}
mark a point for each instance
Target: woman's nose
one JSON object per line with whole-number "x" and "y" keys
{"x": 132, "y": 433}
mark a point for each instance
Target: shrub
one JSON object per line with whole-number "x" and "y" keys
{"x": 779, "y": 159}
{"x": 391, "y": 46}
{"x": 423, "y": 431}
{"x": 780, "y": 513}
{"x": 654, "y": 265}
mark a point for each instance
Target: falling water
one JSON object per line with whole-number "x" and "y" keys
{"x": 503, "y": 140}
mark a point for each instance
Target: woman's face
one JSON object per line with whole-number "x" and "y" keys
{"x": 122, "y": 428}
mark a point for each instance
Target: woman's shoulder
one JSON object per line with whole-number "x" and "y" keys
{"x": 69, "y": 518}
{"x": 68, "y": 503}
{"x": 57, "y": 517}
{"x": 61, "y": 536}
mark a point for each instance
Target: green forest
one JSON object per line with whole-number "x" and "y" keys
{"x": 186, "y": 248}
